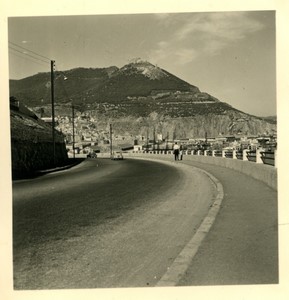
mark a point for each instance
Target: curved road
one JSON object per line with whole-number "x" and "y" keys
{"x": 105, "y": 223}
{"x": 123, "y": 223}
{"x": 242, "y": 245}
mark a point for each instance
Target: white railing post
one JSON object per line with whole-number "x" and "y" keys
{"x": 206, "y": 152}
{"x": 245, "y": 154}
{"x": 224, "y": 153}
{"x": 199, "y": 152}
{"x": 258, "y": 156}
{"x": 234, "y": 154}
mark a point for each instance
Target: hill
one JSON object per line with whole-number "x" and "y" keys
{"x": 136, "y": 96}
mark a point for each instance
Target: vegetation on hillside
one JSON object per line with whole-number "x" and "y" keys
{"x": 134, "y": 92}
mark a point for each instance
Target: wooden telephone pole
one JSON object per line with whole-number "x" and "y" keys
{"x": 147, "y": 148}
{"x": 110, "y": 135}
{"x": 52, "y": 64}
{"x": 154, "y": 138}
{"x": 73, "y": 138}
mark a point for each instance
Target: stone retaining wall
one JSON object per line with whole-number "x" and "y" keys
{"x": 28, "y": 157}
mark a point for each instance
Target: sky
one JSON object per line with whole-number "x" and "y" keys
{"x": 230, "y": 55}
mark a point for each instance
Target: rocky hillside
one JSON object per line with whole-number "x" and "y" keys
{"x": 137, "y": 96}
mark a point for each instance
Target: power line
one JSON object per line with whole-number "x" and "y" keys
{"x": 36, "y": 62}
{"x": 30, "y": 51}
{"x": 28, "y": 55}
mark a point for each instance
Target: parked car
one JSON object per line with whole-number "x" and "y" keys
{"x": 91, "y": 155}
{"x": 117, "y": 155}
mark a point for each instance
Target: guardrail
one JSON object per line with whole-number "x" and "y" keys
{"x": 257, "y": 156}
{"x": 268, "y": 158}
{"x": 258, "y": 170}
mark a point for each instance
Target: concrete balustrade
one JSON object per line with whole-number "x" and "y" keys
{"x": 258, "y": 170}
{"x": 213, "y": 153}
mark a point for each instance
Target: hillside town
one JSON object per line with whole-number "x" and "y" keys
{"x": 85, "y": 136}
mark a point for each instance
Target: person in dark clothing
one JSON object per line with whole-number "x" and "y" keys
{"x": 176, "y": 149}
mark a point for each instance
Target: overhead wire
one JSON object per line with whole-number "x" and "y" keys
{"x": 30, "y": 55}
{"x": 34, "y": 61}
{"x": 35, "y": 53}
{"x": 39, "y": 59}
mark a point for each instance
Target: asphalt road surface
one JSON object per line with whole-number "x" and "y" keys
{"x": 242, "y": 246}
{"x": 105, "y": 223}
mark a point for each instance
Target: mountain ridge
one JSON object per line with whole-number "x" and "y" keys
{"x": 137, "y": 91}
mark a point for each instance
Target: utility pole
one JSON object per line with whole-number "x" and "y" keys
{"x": 110, "y": 134}
{"x": 147, "y": 148}
{"x": 52, "y": 64}
{"x": 167, "y": 141}
{"x": 73, "y": 139}
{"x": 154, "y": 138}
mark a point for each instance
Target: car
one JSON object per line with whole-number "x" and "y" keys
{"x": 116, "y": 155}
{"x": 91, "y": 155}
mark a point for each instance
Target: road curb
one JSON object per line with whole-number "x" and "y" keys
{"x": 182, "y": 262}
{"x": 56, "y": 169}
{"x": 180, "y": 265}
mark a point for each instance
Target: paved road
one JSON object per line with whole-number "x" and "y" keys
{"x": 242, "y": 245}
{"x": 105, "y": 223}
{"x": 61, "y": 242}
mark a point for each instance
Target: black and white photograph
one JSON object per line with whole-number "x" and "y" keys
{"x": 144, "y": 152}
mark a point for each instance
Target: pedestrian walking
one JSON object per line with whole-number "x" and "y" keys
{"x": 176, "y": 151}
